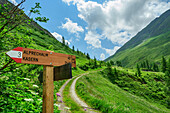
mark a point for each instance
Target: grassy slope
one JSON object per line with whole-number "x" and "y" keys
{"x": 13, "y": 84}
{"x": 152, "y": 49}
{"x": 101, "y": 93}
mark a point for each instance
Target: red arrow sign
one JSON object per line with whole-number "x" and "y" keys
{"x": 32, "y": 56}
{"x": 16, "y": 54}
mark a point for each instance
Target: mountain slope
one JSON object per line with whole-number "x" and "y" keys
{"x": 159, "y": 26}
{"x": 20, "y": 88}
{"x": 125, "y": 95}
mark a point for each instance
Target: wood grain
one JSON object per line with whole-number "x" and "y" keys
{"x": 32, "y": 56}
{"x": 48, "y": 89}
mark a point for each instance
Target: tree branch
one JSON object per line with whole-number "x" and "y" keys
{"x": 10, "y": 61}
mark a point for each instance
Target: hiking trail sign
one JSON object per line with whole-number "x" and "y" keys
{"x": 32, "y": 56}
{"x": 49, "y": 59}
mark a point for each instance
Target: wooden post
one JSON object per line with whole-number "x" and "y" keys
{"x": 48, "y": 89}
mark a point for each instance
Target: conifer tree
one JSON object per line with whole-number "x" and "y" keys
{"x": 77, "y": 50}
{"x": 111, "y": 62}
{"x": 147, "y": 65}
{"x": 118, "y": 63}
{"x": 73, "y": 48}
{"x": 88, "y": 56}
{"x": 168, "y": 66}
{"x": 63, "y": 40}
{"x": 163, "y": 64}
{"x": 67, "y": 44}
{"x": 155, "y": 67}
{"x": 138, "y": 70}
{"x": 95, "y": 62}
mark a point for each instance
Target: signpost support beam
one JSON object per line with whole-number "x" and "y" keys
{"x": 48, "y": 89}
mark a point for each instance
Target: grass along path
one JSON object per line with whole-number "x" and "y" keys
{"x": 74, "y": 107}
{"x": 101, "y": 94}
{"x": 77, "y": 99}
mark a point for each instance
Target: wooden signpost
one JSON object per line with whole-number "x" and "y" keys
{"x": 49, "y": 59}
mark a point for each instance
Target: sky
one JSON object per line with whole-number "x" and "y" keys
{"x": 97, "y": 27}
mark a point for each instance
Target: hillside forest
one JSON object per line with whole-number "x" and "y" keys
{"x": 115, "y": 85}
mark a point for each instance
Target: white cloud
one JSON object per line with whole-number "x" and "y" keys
{"x": 93, "y": 39}
{"x": 114, "y": 16}
{"x": 72, "y": 1}
{"x": 111, "y": 51}
{"x": 66, "y": 41}
{"x": 72, "y": 27}
{"x": 14, "y": 2}
{"x": 59, "y": 37}
{"x": 102, "y": 56}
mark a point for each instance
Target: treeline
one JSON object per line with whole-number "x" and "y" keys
{"x": 116, "y": 63}
{"x": 92, "y": 64}
{"x": 164, "y": 66}
{"x": 64, "y": 43}
{"x": 150, "y": 85}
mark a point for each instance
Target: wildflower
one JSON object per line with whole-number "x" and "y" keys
{"x": 58, "y": 95}
{"x": 85, "y": 109}
{"x": 66, "y": 108}
{"x": 57, "y": 105}
{"x": 40, "y": 100}
{"x": 61, "y": 101}
{"x": 35, "y": 86}
{"x": 26, "y": 78}
{"x": 32, "y": 92}
{"x": 27, "y": 99}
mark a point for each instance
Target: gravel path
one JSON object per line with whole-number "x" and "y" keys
{"x": 77, "y": 99}
{"x": 74, "y": 97}
{"x": 61, "y": 104}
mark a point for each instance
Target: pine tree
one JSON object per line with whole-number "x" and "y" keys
{"x": 88, "y": 56}
{"x": 95, "y": 62}
{"x": 155, "y": 67}
{"x": 138, "y": 70}
{"x": 73, "y": 48}
{"x": 109, "y": 68}
{"x": 147, "y": 65}
{"x": 67, "y": 44}
{"x": 63, "y": 40}
{"x": 163, "y": 64}
{"x": 77, "y": 50}
{"x": 100, "y": 64}
{"x": 168, "y": 66}
{"x": 119, "y": 63}
{"x": 111, "y": 62}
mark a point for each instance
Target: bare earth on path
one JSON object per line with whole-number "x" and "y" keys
{"x": 77, "y": 99}
{"x": 74, "y": 96}
{"x": 61, "y": 104}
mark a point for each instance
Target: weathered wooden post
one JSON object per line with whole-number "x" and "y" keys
{"x": 48, "y": 89}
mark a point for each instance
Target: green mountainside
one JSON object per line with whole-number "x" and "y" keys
{"x": 119, "y": 90}
{"x": 20, "y": 86}
{"x": 151, "y": 43}
{"x": 107, "y": 90}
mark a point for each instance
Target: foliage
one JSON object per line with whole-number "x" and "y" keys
{"x": 151, "y": 49}
{"x": 69, "y": 101}
{"x": 20, "y": 89}
{"x": 138, "y": 70}
{"x": 150, "y": 43}
{"x": 163, "y": 66}
{"x": 118, "y": 63}
{"x": 148, "y": 85}
{"x": 88, "y": 56}
{"x": 63, "y": 40}
{"x": 98, "y": 92}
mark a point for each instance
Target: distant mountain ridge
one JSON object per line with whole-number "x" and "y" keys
{"x": 158, "y": 26}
